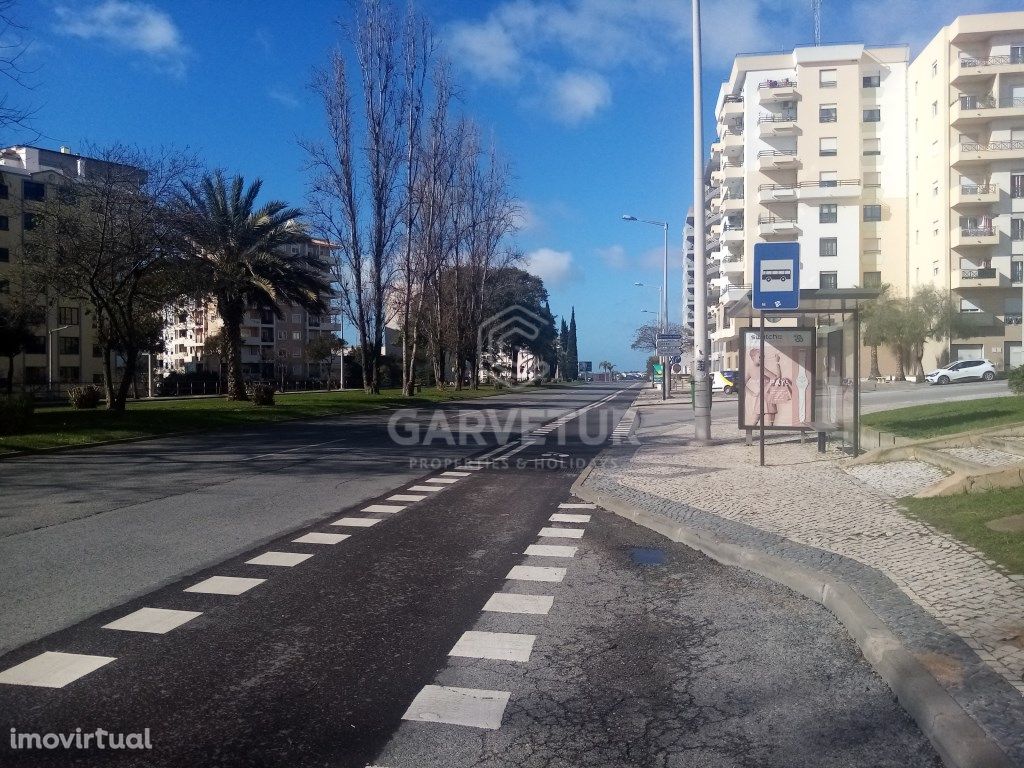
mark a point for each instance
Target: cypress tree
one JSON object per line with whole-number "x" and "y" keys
{"x": 563, "y": 350}
{"x": 572, "y": 362}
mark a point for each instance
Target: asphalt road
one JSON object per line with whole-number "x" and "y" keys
{"x": 644, "y": 653}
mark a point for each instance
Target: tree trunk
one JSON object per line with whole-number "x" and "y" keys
{"x": 108, "y": 376}
{"x": 875, "y": 373}
{"x": 131, "y": 361}
{"x": 900, "y": 372}
{"x": 233, "y": 331}
{"x": 10, "y": 375}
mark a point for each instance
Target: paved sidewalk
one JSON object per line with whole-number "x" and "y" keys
{"x": 960, "y": 616}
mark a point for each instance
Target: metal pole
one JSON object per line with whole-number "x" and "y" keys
{"x": 702, "y": 387}
{"x": 666, "y": 368}
{"x": 760, "y": 374}
{"x": 341, "y": 364}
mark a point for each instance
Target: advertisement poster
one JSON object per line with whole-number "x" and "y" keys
{"x": 788, "y": 374}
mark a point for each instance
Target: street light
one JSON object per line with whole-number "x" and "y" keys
{"x": 702, "y": 385}
{"x": 658, "y": 288}
{"x": 49, "y": 355}
{"x": 664, "y": 294}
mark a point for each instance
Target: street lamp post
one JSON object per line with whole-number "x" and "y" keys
{"x": 663, "y": 308}
{"x": 702, "y": 385}
{"x": 49, "y": 355}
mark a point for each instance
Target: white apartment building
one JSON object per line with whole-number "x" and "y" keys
{"x": 966, "y": 124}
{"x": 273, "y": 347}
{"x": 811, "y": 148}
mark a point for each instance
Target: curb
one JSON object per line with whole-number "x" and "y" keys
{"x": 958, "y": 739}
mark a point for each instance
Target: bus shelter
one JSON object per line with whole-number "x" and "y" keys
{"x": 799, "y": 369}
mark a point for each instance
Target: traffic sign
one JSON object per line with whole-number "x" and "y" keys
{"x": 669, "y": 347}
{"x": 776, "y": 276}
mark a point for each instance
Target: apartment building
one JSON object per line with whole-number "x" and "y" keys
{"x": 273, "y": 347}
{"x": 65, "y": 349}
{"x": 966, "y": 125}
{"x": 811, "y": 148}
{"x": 688, "y": 271}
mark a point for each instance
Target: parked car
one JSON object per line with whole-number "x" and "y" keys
{"x": 724, "y": 381}
{"x": 963, "y": 370}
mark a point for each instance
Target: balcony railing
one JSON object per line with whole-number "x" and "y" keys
{"x": 977, "y": 189}
{"x": 733, "y": 99}
{"x": 969, "y": 62}
{"x": 988, "y": 101}
{"x": 782, "y": 117}
{"x": 985, "y": 273}
{"x": 993, "y": 146}
{"x": 776, "y": 220}
{"x": 976, "y": 231}
{"x": 777, "y": 153}
{"x": 785, "y": 83}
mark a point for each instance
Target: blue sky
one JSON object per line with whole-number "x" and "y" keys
{"x": 588, "y": 99}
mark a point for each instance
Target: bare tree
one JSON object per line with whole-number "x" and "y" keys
{"x": 13, "y": 49}
{"x": 355, "y": 196}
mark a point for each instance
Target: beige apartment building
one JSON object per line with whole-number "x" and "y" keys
{"x": 65, "y": 349}
{"x": 966, "y": 124}
{"x": 811, "y": 148}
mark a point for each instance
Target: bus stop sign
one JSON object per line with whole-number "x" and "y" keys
{"x": 776, "y": 276}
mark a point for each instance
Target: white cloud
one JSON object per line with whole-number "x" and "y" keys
{"x": 284, "y": 98}
{"x": 551, "y": 266}
{"x": 134, "y": 26}
{"x": 577, "y": 96}
{"x": 487, "y": 49}
{"x": 614, "y": 256}
{"x": 526, "y": 218}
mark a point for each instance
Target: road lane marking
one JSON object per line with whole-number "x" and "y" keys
{"x": 561, "y": 533}
{"x": 455, "y": 474}
{"x": 550, "y": 550}
{"x": 442, "y": 480}
{"x": 405, "y": 497}
{"x": 499, "y": 646}
{"x": 472, "y": 707}
{"x": 53, "y": 669}
{"x": 510, "y": 602}
{"x": 389, "y": 508}
{"x": 224, "y": 585}
{"x": 357, "y": 522}
{"x": 427, "y": 488}
{"x": 280, "y": 559}
{"x": 321, "y": 538}
{"x": 561, "y": 518}
{"x": 157, "y": 621}
{"x": 536, "y": 573}
{"x": 568, "y": 505}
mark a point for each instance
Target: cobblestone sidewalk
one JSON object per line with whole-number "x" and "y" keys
{"x": 960, "y": 616}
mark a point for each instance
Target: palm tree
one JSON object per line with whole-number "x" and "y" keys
{"x": 239, "y": 257}
{"x": 606, "y": 366}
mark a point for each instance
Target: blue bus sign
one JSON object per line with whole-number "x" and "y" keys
{"x": 776, "y": 276}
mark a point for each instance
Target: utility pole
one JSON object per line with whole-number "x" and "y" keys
{"x": 702, "y": 385}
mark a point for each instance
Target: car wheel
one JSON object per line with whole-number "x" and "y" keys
{"x": 728, "y": 390}
{"x": 989, "y": 376}
{"x": 943, "y": 379}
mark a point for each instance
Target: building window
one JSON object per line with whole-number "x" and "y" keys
{"x": 69, "y": 345}
{"x": 828, "y": 213}
{"x": 97, "y": 351}
{"x": 935, "y": 68}
{"x": 827, "y": 78}
{"x": 28, "y": 221}
{"x": 872, "y": 213}
{"x": 935, "y": 108}
{"x": 827, "y": 113}
{"x": 33, "y": 190}
{"x": 1016, "y": 271}
{"x": 828, "y": 246}
{"x": 5, "y": 255}
{"x": 828, "y": 146}
{"x": 872, "y": 147}
{"x": 872, "y": 279}
{"x": 1017, "y": 229}
{"x": 873, "y": 115}
{"x": 69, "y": 374}
{"x": 1017, "y": 185}
{"x": 296, "y": 336}
{"x": 5, "y": 286}
{"x": 68, "y": 316}
{"x": 296, "y": 319}
{"x": 267, "y": 316}
{"x": 4, "y": 192}
{"x": 829, "y": 281}
{"x": 871, "y": 81}
{"x": 266, "y": 334}
{"x": 5, "y": 223}
{"x": 828, "y": 179}
{"x": 872, "y": 179}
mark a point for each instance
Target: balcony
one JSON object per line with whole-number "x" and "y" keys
{"x": 735, "y": 293}
{"x": 732, "y": 235}
{"x": 974, "y": 237}
{"x": 770, "y": 226}
{"x": 973, "y": 110}
{"x": 732, "y": 106}
{"x": 732, "y": 169}
{"x": 969, "y": 152}
{"x": 778, "y": 160}
{"x": 774, "y": 91}
{"x": 777, "y": 193}
{"x": 732, "y": 142}
{"x": 781, "y": 124}
{"x": 732, "y": 204}
{"x": 829, "y": 190}
{"x": 979, "y": 320}
{"x": 971, "y": 67}
{"x": 980, "y": 277}
{"x": 974, "y": 194}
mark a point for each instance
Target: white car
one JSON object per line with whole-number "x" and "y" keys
{"x": 724, "y": 381}
{"x": 963, "y": 370}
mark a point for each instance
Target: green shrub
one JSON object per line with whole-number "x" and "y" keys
{"x": 84, "y": 397}
{"x": 1015, "y": 378}
{"x": 16, "y": 413}
{"x": 261, "y": 394}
